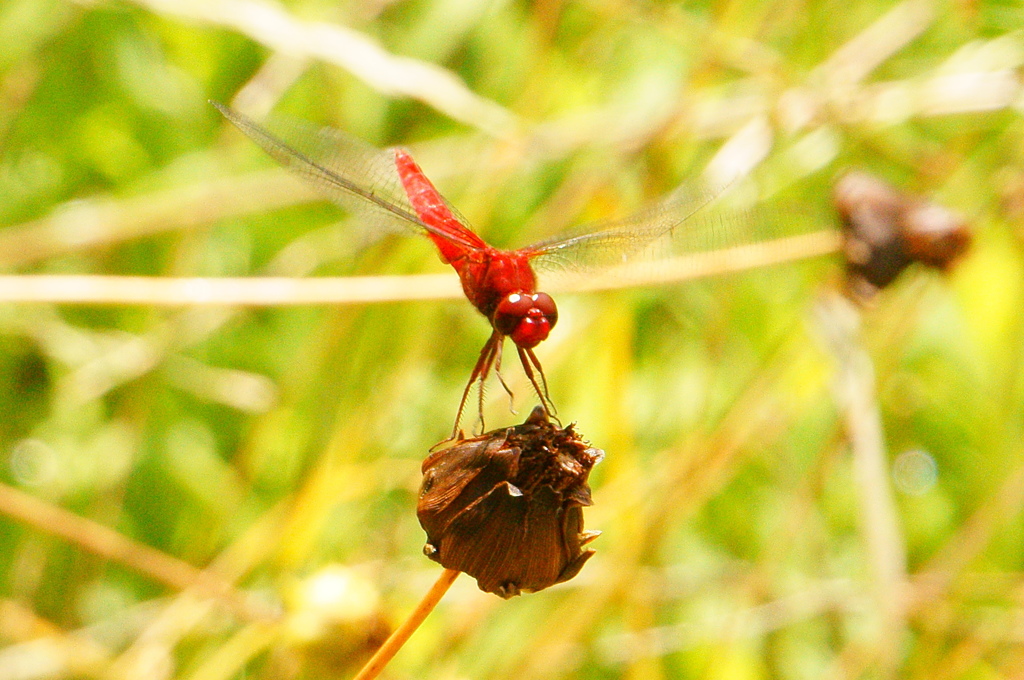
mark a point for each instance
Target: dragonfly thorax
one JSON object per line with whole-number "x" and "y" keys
{"x": 526, "y": 318}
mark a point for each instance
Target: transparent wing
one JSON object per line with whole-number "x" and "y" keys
{"x": 693, "y": 220}
{"x": 618, "y": 241}
{"x": 352, "y": 174}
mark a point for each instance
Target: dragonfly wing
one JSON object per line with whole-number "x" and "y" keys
{"x": 693, "y": 220}
{"x": 677, "y": 222}
{"x": 352, "y": 174}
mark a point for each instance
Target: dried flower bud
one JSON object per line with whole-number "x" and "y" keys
{"x": 885, "y": 230}
{"x": 507, "y": 507}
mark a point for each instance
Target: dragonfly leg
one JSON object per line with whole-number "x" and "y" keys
{"x": 532, "y": 368}
{"x": 501, "y": 379}
{"x": 480, "y": 372}
{"x": 481, "y": 384}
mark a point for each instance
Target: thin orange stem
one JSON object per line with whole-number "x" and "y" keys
{"x": 402, "y": 634}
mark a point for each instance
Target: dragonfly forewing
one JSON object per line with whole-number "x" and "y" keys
{"x": 354, "y": 175}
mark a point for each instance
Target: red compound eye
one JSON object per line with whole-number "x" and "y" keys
{"x": 510, "y": 311}
{"x": 543, "y": 303}
{"x": 527, "y": 319}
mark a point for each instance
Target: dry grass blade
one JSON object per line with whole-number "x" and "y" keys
{"x": 276, "y": 291}
{"x": 935, "y": 577}
{"x": 255, "y": 291}
{"x": 855, "y": 393}
{"x": 93, "y": 223}
{"x": 35, "y": 637}
{"x": 108, "y": 543}
{"x": 389, "y": 74}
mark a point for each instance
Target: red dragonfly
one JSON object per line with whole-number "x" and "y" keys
{"x": 390, "y": 189}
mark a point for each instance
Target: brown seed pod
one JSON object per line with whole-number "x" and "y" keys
{"x": 885, "y": 230}
{"x": 507, "y": 507}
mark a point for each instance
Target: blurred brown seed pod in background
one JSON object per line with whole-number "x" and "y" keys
{"x": 885, "y": 230}
{"x": 507, "y": 507}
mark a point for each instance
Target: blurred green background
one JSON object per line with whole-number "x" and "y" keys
{"x": 750, "y": 529}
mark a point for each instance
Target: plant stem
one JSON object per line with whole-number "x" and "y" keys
{"x": 402, "y": 634}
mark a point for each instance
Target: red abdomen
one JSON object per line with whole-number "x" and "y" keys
{"x": 432, "y": 209}
{"x": 487, "y": 274}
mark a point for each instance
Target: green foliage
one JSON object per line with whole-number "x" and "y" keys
{"x": 280, "y": 446}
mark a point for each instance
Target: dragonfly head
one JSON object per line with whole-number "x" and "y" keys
{"x": 526, "y": 318}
